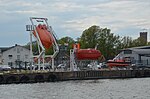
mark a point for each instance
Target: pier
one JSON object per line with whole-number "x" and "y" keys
{"x": 34, "y": 77}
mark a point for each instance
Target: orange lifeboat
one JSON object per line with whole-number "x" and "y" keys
{"x": 88, "y": 54}
{"x": 117, "y": 63}
{"x": 44, "y": 35}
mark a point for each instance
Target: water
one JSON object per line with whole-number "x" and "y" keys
{"x": 81, "y": 89}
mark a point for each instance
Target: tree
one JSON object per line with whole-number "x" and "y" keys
{"x": 126, "y": 42}
{"x": 148, "y": 43}
{"x": 89, "y": 37}
{"x": 107, "y": 41}
{"x": 139, "y": 42}
{"x": 67, "y": 41}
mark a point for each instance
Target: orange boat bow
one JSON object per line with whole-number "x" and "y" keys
{"x": 44, "y": 35}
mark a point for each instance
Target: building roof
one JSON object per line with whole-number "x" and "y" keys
{"x": 3, "y": 49}
{"x": 142, "y": 50}
{"x": 140, "y": 47}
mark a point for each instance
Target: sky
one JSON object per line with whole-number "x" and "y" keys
{"x": 72, "y": 17}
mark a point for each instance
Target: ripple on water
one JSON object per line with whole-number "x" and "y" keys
{"x": 80, "y": 89}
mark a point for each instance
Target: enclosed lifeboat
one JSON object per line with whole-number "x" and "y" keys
{"x": 44, "y": 35}
{"x": 87, "y": 54}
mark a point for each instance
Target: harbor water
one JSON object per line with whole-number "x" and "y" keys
{"x": 135, "y": 88}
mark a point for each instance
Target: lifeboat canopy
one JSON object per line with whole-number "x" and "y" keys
{"x": 88, "y": 54}
{"x": 44, "y": 35}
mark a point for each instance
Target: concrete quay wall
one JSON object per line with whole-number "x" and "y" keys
{"x": 74, "y": 75}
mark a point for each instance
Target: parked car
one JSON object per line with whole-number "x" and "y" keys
{"x": 61, "y": 66}
{"x": 5, "y": 68}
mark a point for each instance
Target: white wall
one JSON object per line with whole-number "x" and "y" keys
{"x": 135, "y": 56}
{"x": 0, "y": 57}
{"x": 16, "y": 52}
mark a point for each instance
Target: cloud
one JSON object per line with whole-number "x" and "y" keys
{"x": 64, "y": 6}
{"x": 81, "y": 24}
{"x": 21, "y": 12}
{"x": 71, "y": 17}
{"x": 114, "y": 14}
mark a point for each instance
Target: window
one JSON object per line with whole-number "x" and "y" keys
{"x": 26, "y": 56}
{"x": 127, "y": 51}
{"x": 18, "y": 57}
{"x": 18, "y": 51}
{"x": 10, "y": 63}
{"x": 10, "y": 56}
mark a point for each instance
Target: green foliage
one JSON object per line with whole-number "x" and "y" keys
{"x": 35, "y": 48}
{"x": 90, "y": 37}
{"x": 107, "y": 41}
{"x": 49, "y": 51}
{"x": 139, "y": 42}
{"x": 126, "y": 42}
{"x": 67, "y": 41}
{"x": 148, "y": 43}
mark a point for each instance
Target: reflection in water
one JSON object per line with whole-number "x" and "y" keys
{"x": 80, "y": 89}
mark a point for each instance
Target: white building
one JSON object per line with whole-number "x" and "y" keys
{"x": 137, "y": 55}
{"x": 1, "y": 50}
{"x": 14, "y": 56}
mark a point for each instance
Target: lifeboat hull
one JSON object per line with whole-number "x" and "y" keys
{"x": 88, "y": 54}
{"x": 118, "y": 63}
{"x": 44, "y": 35}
